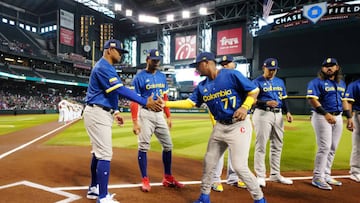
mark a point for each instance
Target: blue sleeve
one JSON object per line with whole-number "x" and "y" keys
{"x": 313, "y": 89}
{"x": 245, "y": 83}
{"x": 195, "y": 97}
{"x": 131, "y": 95}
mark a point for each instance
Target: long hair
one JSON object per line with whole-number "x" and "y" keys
{"x": 338, "y": 75}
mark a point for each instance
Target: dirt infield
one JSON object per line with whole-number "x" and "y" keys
{"x": 42, "y": 173}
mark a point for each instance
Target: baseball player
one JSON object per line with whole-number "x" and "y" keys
{"x": 352, "y": 103}
{"x": 146, "y": 122}
{"x": 102, "y": 107}
{"x": 63, "y": 111}
{"x": 229, "y": 95}
{"x": 227, "y": 61}
{"x": 268, "y": 122}
{"x": 325, "y": 95}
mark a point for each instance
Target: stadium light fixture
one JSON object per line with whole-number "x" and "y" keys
{"x": 186, "y": 14}
{"x": 148, "y": 19}
{"x": 170, "y": 17}
{"x": 128, "y": 12}
{"x": 203, "y": 11}
{"x": 117, "y": 7}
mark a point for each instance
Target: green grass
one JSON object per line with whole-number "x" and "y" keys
{"x": 11, "y": 123}
{"x": 190, "y": 139}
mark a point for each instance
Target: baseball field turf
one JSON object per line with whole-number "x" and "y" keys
{"x": 190, "y": 133}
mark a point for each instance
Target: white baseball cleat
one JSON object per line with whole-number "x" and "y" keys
{"x": 355, "y": 177}
{"x": 261, "y": 181}
{"x": 281, "y": 179}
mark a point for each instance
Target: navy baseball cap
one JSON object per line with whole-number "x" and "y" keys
{"x": 271, "y": 63}
{"x": 153, "y": 54}
{"x": 226, "y": 59}
{"x": 114, "y": 43}
{"x": 203, "y": 56}
{"x": 329, "y": 62}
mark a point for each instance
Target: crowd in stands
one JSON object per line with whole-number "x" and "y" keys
{"x": 16, "y": 46}
{"x": 31, "y": 97}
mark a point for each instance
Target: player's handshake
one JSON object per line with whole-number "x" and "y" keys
{"x": 154, "y": 105}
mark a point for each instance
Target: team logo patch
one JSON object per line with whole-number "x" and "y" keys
{"x": 157, "y": 53}
{"x": 242, "y": 129}
{"x": 112, "y": 44}
{"x": 328, "y": 60}
{"x": 113, "y": 80}
{"x": 273, "y": 63}
{"x": 224, "y": 58}
{"x": 205, "y": 90}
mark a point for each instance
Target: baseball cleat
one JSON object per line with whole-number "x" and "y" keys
{"x": 93, "y": 192}
{"x": 321, "y": 184}
{"x": 169, "y": 181}
{"x": 332, "y": 181}
{"x": 204, "y": 198}
{"x": 241, "y": 184}
{"x": 108, "y": 199}
{"x": 261, "y": 181}
{"x": 217, "y": 187}
{"x": 281, "y": 179}
{"x": 355, "y": 177}
{"x": 145, "y": 184}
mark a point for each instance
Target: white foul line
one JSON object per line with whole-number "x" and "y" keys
{"x": 35, "y": 140}
{"x": 119, "y": 186}
{"x": 70, "y": 197}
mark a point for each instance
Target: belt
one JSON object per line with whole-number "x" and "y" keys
{"x": 272, "y": 109}
{"x": 228, "y": 122}
{"x": 336, "y": 113}
{"x": 110, "y": 110}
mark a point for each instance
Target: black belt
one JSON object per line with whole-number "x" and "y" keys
{"x": 275, "y": 110}
{"x": 336, "y": 113}
{"x": 110, "y": 110}
{"x": 227, "y": 122}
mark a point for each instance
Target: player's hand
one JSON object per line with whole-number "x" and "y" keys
{"x": 154, "y": 105}
{"x": 119, "y": 119}
{"x": 330, "y": 118}
{"x": 272, "y": 103}
{"x": 136, "y": 128}
{"x": 289, "y": 117}
{"x": 350, "y": 124}
{"x": 240, "y": 114}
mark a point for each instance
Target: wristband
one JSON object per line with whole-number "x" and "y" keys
{"x": 321, "y": 110}
{"x": 249, "y": 101}
{"x": 347, "y": 113}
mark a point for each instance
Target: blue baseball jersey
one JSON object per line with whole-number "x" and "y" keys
{"x": 353, "y": 94}
{"x": 223, "y": 95}
{"x": 146, "y": 83}
{"x": 273, "y": 89}
{"x": 328, "y": 92}
{"x": 103, "y": 83}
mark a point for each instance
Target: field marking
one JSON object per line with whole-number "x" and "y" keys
{"x": 34, "y": 140}
{"x": 69, "y": 197}
{"x": 7, "y": 126}
{"x": 119, "y": 186}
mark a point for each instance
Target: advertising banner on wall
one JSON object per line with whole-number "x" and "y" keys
{"x": 185, "y": 47}
{"x": 66, "y": 19}
{"x": 144, "y": 47}
{"x": 229, "y": 41}
{"x": 66, "y": 37}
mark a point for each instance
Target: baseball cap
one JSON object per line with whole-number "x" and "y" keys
{"x": 271, "y": 63}
{"x": 114, "y": 43}
{"x": 153, "y": 54}
{"x": 203, "y": 56}
{"x": 227, "y": 59}
{"x": 329, "y": 62}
